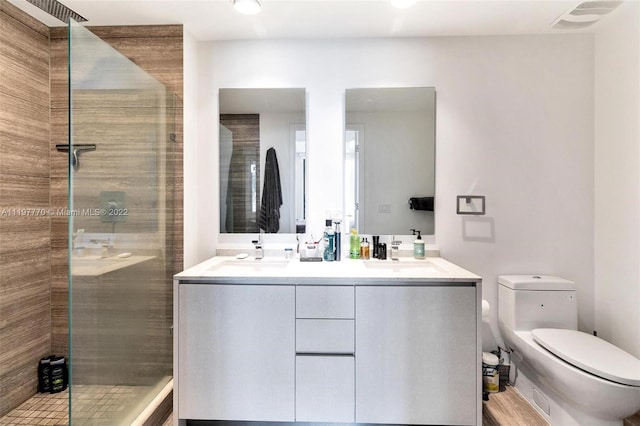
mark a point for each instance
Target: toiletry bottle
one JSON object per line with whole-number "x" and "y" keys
{"x": 382, "y": 251}
{"x": 338, "y": 242}
{"x": 329, "y": 241}
{"x": 418, "y": 246}
{"x": 374, "y": 248}
{"x": 365, "y": 249}
{"x": 354, "y": 245}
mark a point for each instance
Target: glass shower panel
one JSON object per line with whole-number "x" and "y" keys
{"x": 121, "y": 199}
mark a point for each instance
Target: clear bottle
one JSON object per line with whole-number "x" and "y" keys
{"x": 354, "y": 244}
{"x": 364, "y": 249}
{"x": 329, "y": 242}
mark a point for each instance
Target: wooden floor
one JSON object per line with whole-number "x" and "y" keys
{"x": 509, "y": 408}
{"x": 633, "y": 420}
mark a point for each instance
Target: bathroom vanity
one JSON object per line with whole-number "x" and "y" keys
{"x": 393, "y": 342}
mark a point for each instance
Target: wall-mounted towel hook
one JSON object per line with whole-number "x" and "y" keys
{"x": 77, "y": 149}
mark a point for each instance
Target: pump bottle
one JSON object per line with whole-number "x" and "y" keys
{"x": 418, "y": 246}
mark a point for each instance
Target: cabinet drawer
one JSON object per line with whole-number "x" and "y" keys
{"x": 325, "y": 336}
{"x": 325, "y": 302}
{"x": 325, "y": 389}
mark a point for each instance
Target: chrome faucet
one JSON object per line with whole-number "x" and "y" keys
{"x": 395, "y": 249}
{"x": 259, "y": 250}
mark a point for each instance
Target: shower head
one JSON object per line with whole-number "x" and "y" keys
{"x": 57, "y": 10}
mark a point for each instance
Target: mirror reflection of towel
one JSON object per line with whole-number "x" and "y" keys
{"x": 269, "y": 218}
{"x": 421, "y": 203}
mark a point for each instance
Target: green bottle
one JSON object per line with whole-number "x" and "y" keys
{"x": 354, "y": 245}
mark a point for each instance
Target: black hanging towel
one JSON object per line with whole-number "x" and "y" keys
{"x": 269, "y": 218}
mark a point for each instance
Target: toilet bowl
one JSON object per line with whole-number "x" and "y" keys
{"x": 571, "y": 377}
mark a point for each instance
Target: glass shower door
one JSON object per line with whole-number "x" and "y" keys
{"x": 121, "y": 159}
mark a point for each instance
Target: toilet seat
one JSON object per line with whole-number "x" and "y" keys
{"x": 590, "y": 354}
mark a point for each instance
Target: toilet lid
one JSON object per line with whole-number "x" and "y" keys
{"x": 591, "y": 354}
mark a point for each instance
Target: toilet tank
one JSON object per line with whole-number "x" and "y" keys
{"x": 526, "y": 302}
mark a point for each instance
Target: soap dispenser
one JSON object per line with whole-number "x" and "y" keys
{"x": 418, "y": 246}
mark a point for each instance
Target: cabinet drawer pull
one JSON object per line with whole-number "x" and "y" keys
{"x": 325, "y": 354}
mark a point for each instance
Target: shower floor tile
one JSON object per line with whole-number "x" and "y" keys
{"x": 40, "y": 409}
{"x": 93, "y": 404}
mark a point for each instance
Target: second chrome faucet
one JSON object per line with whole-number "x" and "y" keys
{"x": 259, "y": 249}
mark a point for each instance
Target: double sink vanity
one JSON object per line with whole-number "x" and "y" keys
{"x": 355, "y": 341}
{"x": 274, "y": 340}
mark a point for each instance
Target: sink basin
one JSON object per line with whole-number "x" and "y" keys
{"x": 250, "y": 265}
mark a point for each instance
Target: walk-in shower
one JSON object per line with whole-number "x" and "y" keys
{"x": 120, "y": 233}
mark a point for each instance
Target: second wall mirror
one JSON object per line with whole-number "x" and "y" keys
{"x": 390, "y": 160}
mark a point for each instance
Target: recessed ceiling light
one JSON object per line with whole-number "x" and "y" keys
{"x": 247, "y": 7}
{"x": 402, "y": 4}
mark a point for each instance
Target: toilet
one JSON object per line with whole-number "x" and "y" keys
{"x": 570, "y": 377}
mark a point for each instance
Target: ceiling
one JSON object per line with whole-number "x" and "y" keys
{"x": 217, "y": 20}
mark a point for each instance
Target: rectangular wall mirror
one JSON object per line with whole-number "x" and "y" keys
{"x": 390, "y": 160}
{"x": 263, "y": 153}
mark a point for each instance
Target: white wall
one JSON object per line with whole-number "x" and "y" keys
{"x": 514, "y": 123}
{"x": 201, "y": 214}
{"x": 617, "y": 179}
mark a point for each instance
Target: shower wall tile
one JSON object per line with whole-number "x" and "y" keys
{"x": 25, "y": 266}
{"x": 59, "y": 193}
{"x": 22, "y": 123}
{"x": 59, "y": 285}
{"x": 24, "y": 61}
{"x": 24, "y": 234}
{"x": 24, "y": 195}
{"x": 59, "y": 70}
{"x": 24, "y": 136}
{"x": 59, "y": 136}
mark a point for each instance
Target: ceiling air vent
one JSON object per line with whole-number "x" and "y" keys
{"x": 585, "y": 14}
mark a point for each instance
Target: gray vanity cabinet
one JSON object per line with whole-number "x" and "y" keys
{"x": 416, "y": 354}
{"x": 236, "y": 352}
{"x": 346, "y": 345}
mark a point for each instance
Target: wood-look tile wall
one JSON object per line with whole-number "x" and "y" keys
{"x": 25, "y": 323}
{"x": 158, "y": 51}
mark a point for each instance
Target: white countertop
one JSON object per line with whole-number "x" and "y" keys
{"x": 277, "y": 270}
